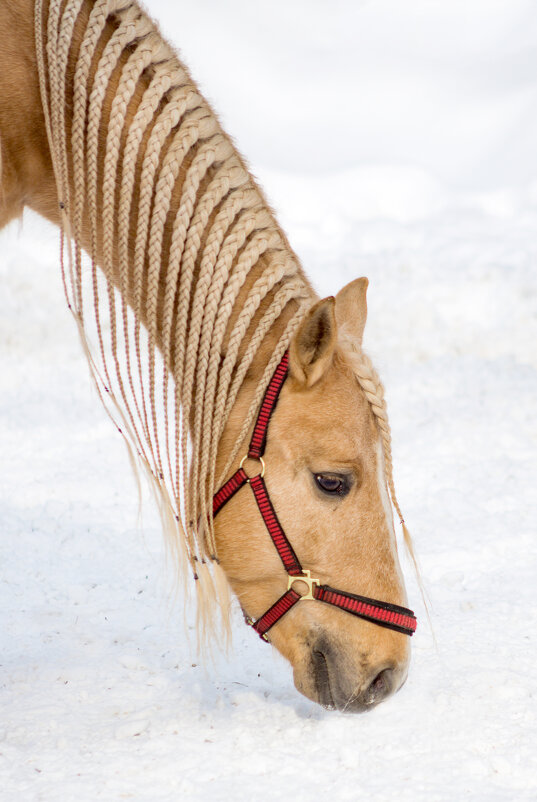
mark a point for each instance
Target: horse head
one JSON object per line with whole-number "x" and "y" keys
{"x": 327, "y": 472}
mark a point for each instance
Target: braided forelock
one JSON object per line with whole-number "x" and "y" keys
{"x": 369, "y": 380}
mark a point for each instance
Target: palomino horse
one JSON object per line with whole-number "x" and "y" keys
{"x": 207, "y": 343}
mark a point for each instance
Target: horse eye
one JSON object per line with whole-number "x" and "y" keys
{"x": 332, "y": 484}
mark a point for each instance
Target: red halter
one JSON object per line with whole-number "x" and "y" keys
{"x": 381, "y": 613}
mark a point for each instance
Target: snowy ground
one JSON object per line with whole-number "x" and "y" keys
{"x": 395, "y": 144}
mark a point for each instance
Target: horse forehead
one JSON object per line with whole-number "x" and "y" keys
{"x": 335, "y": 407}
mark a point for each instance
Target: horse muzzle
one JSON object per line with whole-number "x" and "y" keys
{"x": 336, "y": 682}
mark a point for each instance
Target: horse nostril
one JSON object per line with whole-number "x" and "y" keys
{"x": 322, "y": 680}
{"x": 380, "y": 687}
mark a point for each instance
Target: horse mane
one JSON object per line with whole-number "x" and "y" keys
{"x": 195, "y": 270}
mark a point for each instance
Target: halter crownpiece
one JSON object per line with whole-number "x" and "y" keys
{"x": 384, "y": 614}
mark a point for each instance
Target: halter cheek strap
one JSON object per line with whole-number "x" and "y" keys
{"x": 387, "y": 615}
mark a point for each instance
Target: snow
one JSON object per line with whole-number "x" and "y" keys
{"x": 395, "y": 141}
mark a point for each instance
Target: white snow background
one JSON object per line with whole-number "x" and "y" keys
{"x": 398, "y": 141}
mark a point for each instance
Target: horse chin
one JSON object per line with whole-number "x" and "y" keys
{"x": 328, "y": 677}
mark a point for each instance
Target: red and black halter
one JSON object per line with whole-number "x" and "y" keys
{"x": 385, "y": 615}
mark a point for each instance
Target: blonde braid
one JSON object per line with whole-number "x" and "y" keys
{"x": 208, "y": 152}
{"x": 217, "y": 258}
{"x": 258, "y": 244}
{"x": 53, "y": 128}
{"x": 193, "y": 213}
{"x": 275, "y": 359}
{"x": 58, "y": 52}
{"x": 161, "y": 82}
{"x": 180, "y": 264}
{"x": 206, "y": 296}
{"x": 196, "y": 126}
{"x": 96, "y": 24}
{"x": 258, "y": 292}
{"x": 264, "y": 284}
{"x": 185, "y": 227}
{"x": 137, "y": 63}
{"x": 181, "y": 257}
{"x": 163, "y": 77}
{"x": 124, "y": 34}
{"x": 231, "y": 245}
{"x": 373, "y": 388}
{"x": 291, "y": 290}
{"x": 370, "y": 382}
{"x": 217, "y": 311}
{"x": 182, "y": 100}
{"x": 198, "y": 310}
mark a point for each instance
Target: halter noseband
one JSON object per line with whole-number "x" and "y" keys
{"x": 385, "y": 615}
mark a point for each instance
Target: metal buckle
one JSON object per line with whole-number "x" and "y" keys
{"x": 258, "y": 459}
{"x": 306, "y": 577}
{"x": 250, "y": 621}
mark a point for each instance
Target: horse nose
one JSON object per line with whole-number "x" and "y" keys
{"x": 333, "y": 689}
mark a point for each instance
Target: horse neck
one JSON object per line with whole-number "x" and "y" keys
{"x": 147, "y": 183}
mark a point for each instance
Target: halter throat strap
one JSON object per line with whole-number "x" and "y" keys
{"x": 391, "y": 616}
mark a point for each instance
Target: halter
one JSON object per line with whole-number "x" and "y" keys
{"x": 385, "y": 615}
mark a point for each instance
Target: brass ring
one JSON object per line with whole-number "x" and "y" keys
{"x": 259, "y": 459}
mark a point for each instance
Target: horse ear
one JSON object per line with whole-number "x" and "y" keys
{"x": 351, "y": 308}
{"x": 312, "y": 347}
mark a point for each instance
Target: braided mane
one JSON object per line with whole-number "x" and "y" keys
{"x": 196, "y": 273}
{"x": 195, "y": 270}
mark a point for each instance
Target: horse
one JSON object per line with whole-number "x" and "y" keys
{"x": 248, "y": 401}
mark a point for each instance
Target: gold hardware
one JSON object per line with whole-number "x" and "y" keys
{"x": 250, "y": 621}
{"x": 307, "y": 578}
{"x": 259, "y": 459}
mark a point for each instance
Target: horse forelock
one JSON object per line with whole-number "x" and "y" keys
{"x": 151, "y": 187}
{"x": 355, "y": 358}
